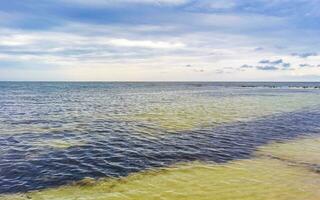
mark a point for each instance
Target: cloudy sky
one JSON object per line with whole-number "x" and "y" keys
{"x": 159, "y": 40}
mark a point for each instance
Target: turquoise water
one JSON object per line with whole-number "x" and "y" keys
{"x": 55, "y": 134}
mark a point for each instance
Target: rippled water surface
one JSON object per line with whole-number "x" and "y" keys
{"x": 159, "y": 140}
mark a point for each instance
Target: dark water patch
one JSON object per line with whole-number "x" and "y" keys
{"x": 110, "y": 152}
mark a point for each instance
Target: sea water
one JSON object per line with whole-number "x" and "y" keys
{"x": 153, "y": 140}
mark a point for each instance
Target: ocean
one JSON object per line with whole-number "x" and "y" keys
{"x": 159, "y": 140}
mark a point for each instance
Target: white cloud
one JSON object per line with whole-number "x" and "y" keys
{"x": 16, "y": 40}
{"x": 146, "y": 44}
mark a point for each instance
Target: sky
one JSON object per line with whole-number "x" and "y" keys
{"x": 160, "y": 40}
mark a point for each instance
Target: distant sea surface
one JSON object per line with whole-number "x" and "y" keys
{"x": 57, "y": 134}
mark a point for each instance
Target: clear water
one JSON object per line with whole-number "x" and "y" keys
{"x": 55, "y": 135}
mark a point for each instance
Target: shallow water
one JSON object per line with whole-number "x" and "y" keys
{"x": 53, "y": 134}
